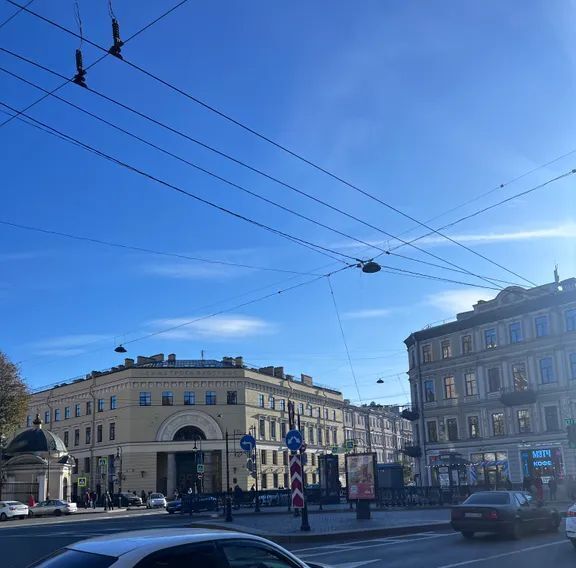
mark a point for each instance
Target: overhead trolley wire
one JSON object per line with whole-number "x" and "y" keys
{"x": 456, "y": 268}
{"x": 276, "y": 144}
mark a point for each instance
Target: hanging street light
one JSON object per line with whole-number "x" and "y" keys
{"x": 380, "y": 381}
{"x": 370, "y": 267}
{"x": 120, "y": 349}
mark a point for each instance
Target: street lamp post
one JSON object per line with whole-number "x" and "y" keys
{"x": 118, "y": 468}
{"x": 2, "y": 446}
{"x": 228, "y": 496}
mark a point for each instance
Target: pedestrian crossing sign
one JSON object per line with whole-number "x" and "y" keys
{"x": 200, "y": 468}
{"x": 81, "y": 482}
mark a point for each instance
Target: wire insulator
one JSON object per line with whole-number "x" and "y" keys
{"x": 118, "y": 43}
{"x": 80, "y": 77}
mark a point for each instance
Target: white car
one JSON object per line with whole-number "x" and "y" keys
{"x": 155, "y": 501}
{"x": 173, "y": 547}
{"x": 52, "y": 507}
{"x": 13, "y": 510}
{"x": 571, "y": 524}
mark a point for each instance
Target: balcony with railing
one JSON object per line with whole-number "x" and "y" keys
{"x": 518, "y": 396}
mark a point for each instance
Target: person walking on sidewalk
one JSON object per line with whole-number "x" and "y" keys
{"x": 553, "y": 487}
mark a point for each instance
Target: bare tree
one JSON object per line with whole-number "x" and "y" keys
{"x": 13, "y": 397}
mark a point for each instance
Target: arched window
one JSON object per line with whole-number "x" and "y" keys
{"x": 189, "y": 434}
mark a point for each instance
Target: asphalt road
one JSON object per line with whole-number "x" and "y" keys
{"x": 21, "y": 544}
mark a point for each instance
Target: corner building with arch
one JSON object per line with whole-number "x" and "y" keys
{"x": 159, "y": 424}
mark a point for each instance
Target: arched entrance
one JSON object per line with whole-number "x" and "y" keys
{"x": 189, "y": 434}
{"x": 190, "y": 465}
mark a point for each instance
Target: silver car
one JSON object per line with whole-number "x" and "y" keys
{"x": 174, "y": 547}
{"x": 156, "y": 501}
{"x": 52, "y": 507}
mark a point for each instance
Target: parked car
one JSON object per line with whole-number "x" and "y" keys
{"x": 505, "y": 512}
{"x": 571, "y": 524}
{"x": 127, "y": 500}
{"x": 52, "y": 507}
{"x": 174, "y": 547}
{"x": 197, "y": 503}
{"x": 13, "y": 510}
{"x": 156, "y": 501}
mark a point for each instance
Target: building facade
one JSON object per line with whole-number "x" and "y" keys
{"x": 494, "y": 389}
{"x": 378, "y": 428}
{"x": 160, "y": 424}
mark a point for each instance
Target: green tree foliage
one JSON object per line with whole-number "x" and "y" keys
{"x": 13, "y": 397}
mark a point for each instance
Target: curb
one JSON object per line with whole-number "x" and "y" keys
{"x": 354, "y": 534}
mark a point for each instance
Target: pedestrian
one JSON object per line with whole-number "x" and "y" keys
{"x": 143, "y": 496}
{"x": 238, "y": 493}
{"x": 31, "y": 501}
{"x": 87, "y": 499}
{"x": 508, "y": 484}
{"x": 539, "y": 489}
{"x": 176, "y": 494}
{"x": 553, "y": 487}
{"x": 110, "y": 501}
{"x": 93, "y": 499}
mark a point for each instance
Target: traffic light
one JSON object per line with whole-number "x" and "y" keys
{"x": 571, "y": 428}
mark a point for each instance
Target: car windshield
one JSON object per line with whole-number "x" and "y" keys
{"x": 156, "y": 496}
{"x": 67, "y": 558}
{"x": 488, "y": 498}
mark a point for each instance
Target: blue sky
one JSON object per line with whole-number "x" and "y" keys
{"x": 425, "y": 106}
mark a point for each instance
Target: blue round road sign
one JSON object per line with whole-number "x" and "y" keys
{"x": 294, "y": 440}
{"x": 247, "y": 443}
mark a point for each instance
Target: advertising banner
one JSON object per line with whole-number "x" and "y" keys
{"x": 361, "y": 476}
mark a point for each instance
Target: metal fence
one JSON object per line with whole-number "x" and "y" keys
{"x": 19, "y": 491}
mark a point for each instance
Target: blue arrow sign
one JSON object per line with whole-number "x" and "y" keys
{"x": 294, "y": 440}
{"x": 247, "y": 443}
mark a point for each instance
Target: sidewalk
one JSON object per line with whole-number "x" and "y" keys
{"x": 331, "y": 525}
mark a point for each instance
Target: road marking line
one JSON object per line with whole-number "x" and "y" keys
{"x": 504, "y": 554}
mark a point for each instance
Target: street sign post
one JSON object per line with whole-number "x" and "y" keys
{"x": 570, "y": 421}
{"x": 247, "y": 442}
{"x": 294, "y": 440}
{"x": 296, "y": 484}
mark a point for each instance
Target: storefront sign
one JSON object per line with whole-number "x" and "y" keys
{"x": 544, "y": 462}
{"x": 361, "y": 476}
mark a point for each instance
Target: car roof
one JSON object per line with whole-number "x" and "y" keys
{"x": 153, "y": 539}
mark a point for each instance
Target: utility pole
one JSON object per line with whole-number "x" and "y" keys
{"x": 228, "y": 496}
{"x": 305, "y": 525}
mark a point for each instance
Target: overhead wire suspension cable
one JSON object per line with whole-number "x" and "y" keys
{"x": 276, "y": 144}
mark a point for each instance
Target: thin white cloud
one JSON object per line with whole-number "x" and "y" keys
{"x": 217, "y": 327}
{"x": 452, "y": 302}
{"x": 192, "y": 271}
{"x": 67, "y": 341}
{"x": 367, "y": 314}
{"x": 564, "y": 231}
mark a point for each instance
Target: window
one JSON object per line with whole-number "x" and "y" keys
{"x": 325, "y": 413}
{"x": 273, "y": 429}
{"x": 113, "y": 402}
{"x": 66, "y": 412}
{"x": 145, "y": 399}
{"x": 47, "y": 417}
{"x": 471, "y": 383}
{"x": 572, "y": 358}
{"x": 100, "y": 405}
{"x": 427, "y": 353}
{"x": 429, "y": 390}
{"x": 99, "y": 433}
{"x": 88, "y": 435}
{"x": 245, "y": 555}
{"x": 274, "y": 457}
{"x": 204, "y": 555}
{"x": 112, "y": 431}
{"x": 551, "y": 418}
{"x": 449, "y": 387}
{"x": 76, "y": 437}
{"x": 28, "y": 421}
{"x": 519, "y": 377}
{"x": 86, "y": 465}
{"x": 286, "y": 481}
{"x": 570, "y": 317}
{"x": 77, "y": 411}
{"x": 262, "y": 428}
{"x": 490, "y": 340}
{"x": 57, "y": 415}
{"x": 473, "y": 427}
{"x": 446, "y": 349}
{"x": 275, "y": 480}
{"x": 310, "y": 435}
{"x": 452, "y": 429}
{"x": 494, "y": 383}
{"x": 335, "y": 436}
{"x": 263, "y": 457}
{"x": 264, "y": 481}
{"x": 309, "y": 409}
{"x": 210, "y": 397}
{"x": 271, "y": 403}
{"x": 498, "y": 428}
{"x": 432, "y": 429}
{"x": 285, "y": 457}
{"x": 261, "y": 400}
{"x": 232, "y": 397}
{"x": 546, "y": 371}
{"x": 66, "y": 438}
{"x": 301, "y": 408}
{"x": 313, "y": 459}
{"x": 334, "y": 415}
{"x": 320, "y": 437}
{"x": 466, "y": 344}
{"x": 515, "y": 332}
{"x": 167, "y": 398}
{"x": 189, "y": 398}
{"x": 283, "y": 429}
{"x": 282, "y": 404}
{"x": 541, "y": 325}
{"x": 523, "y": 421}
{"x": 88, "y": 407}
